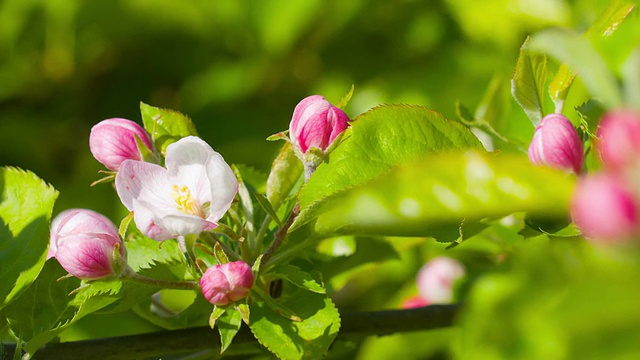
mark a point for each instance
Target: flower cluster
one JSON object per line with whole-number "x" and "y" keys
{"x": 188, "y": 196}
{"x": 605, "y": 204}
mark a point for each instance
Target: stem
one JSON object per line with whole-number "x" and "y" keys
{"x": 192, "y": 340}
{"x": 281, "y": 235}
{"x": 129, "y": 274}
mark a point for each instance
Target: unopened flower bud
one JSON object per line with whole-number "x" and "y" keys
{"x": 227, "y": 283}
{"x": 556, "y": 144}
{"x": 83, "y": 242}
{"x": 436, "y": 279}
{"x": 316, "y": 123}
{"x": 619, "y": 138}
{"x": 604, "y": 208}
{"x": 113, "y": 141}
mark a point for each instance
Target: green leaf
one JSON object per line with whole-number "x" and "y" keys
{"x": 291, "y": 340}
{"x": 46, "y": 309}
{"x": 165, "y": 126}
{"x": 610, "y": 19}
{"x": 605, "y": 26}
{"x": 266, "y": 205}
{"x": 142, "y": 252}
{"x": 286, "y": 171}
{"x": 559, "y": 86}
{"x": 494, "y": 104}
{"x": 580, "y": 56}
{"x": 418, "y": 200}
{"x": 228, "y": 325}
{"x": 378, "y": 141}
{"x": 26, "y": 203}
{"x": 298, "y": 277}
{"x": 528, "y": 82}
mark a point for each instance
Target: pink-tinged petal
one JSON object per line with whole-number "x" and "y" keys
{"x": 436, "y": 278}
{"x": 619, "y": 138}
{"x": 338, "y": 122}
{"x": 86, "y": 257}
{"x": 141, "y": 180}
{"x": 605, "y": 209}
{"x": 185, "y": 224}
{"x": 147, "y": 222}
{"x": 556, "y": 143}
{"x": 79, "y": 221}
{"x": 226, "y": 283}
{"x": 316, "y": 123}
{"x": 113, "y": 141}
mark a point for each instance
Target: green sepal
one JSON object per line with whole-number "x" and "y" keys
{"x": 146, "y": 154}
{"x": 282, "y": 135}
{"x": 111, "y": 176}
{"x": 346, "y": 98}
{"x": 219, "y": 253}
{"x": 215, "y": 315}
{"x": 124, "y": 225}
{"x": 243, "y": 309}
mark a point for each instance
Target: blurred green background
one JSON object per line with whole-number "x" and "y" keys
{"x": 238, "y": 68}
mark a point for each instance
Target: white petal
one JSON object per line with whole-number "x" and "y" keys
{"x": 149, "y": 223}
{"x": 185, "y": 163}
{"x": 224, "y": 186}
{"x": 142, "y": 180}
{"x": 184, "y": 224}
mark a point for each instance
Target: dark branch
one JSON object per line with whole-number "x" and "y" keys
{"x": 204, "y": 339}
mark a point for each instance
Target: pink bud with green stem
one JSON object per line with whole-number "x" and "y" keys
{"x": 227, "y": 283}
{"x": 113, "y": 141}
{"x": 86, "y": 244}
{"x": 315, "y": 125}
{"x": 556, "y": 143}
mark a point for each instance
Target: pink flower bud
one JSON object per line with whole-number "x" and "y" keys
{"x": 619, "y": 138}
{"x": 227, "y": 283}
{"x": 436, "y": 278}
{"x": 113, "y": 141}
{"x": 316, "y": 123}
{"x": 83, "y": 242}
{"x": 556, "y": 144}
{"x": 604, "y": 209}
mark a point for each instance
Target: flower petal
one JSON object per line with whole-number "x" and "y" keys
{"x": 142, "y": 180}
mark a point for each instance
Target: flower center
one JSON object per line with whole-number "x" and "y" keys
{"x": 186, "y": 203}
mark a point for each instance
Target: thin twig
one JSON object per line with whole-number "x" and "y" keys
{"x": 353, "y": 325}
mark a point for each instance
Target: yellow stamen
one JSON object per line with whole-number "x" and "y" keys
{"x": 186, "y": 203}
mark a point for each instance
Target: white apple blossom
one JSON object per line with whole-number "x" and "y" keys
{"x": 189, "y": 196}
